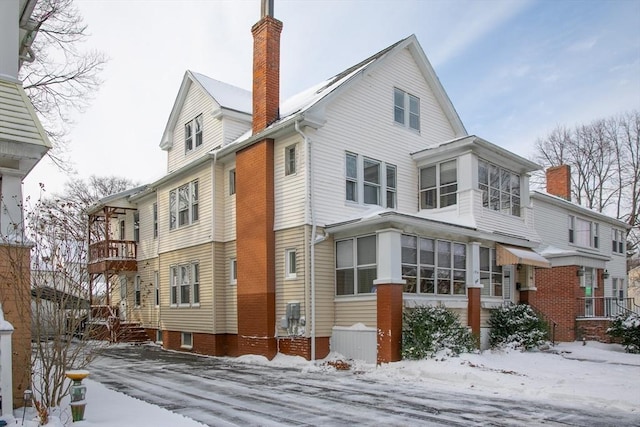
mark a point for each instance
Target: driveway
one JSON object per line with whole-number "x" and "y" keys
{"x": 226, "y": 392}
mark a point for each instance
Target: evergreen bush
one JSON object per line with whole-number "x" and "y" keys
{"x": 428, "y": 330}
{"x": 627, "y": 327}
{"x": 517, "y": 326}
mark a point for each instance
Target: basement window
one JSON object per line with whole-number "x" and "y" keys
{"x": 187, "y": 340}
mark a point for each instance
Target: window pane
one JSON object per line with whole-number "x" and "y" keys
{"x": 448, "y": 173}
{"x": 344, "y": 282}
{"x": 351, "y": 191}
{"x": 515, "y": 184}
{"x": 428, "y": 199}
{"x": 483, "y": 172}
{"x": 398, "y": 110}
{"x": 444, "y": 254}
{"x": 427, "y": 178}
{"x": 172, "y": 209}
{"x": 459, "y": 256}
{"x": 344, "y": 253}
{"x": 427, "y": 253}
{"x": 367, "y": 250}
{"x": 371, "y": 194}
{"x": 352, "y": 166}
{"x": 515, "y": 206}
{"x": 366, "y": 276}
{"x": 485, "y": 263}
{"x": 444, "y": 281}
{"x": 391, "y": 176}
{"x": 414, "y": 112}
{"x": 371, "y": 171}
{"x": 391, "y": 199}
{"x": 505, "y": 181}
{"x": 427, "y": 282}
{"x": 409, "y": 249}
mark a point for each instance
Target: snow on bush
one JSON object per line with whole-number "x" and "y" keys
{"x": 516, "y": 326}
{"x": 627, "y": 327}
{"x": 427, "y": 331}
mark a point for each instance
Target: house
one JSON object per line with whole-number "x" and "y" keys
{"x": 587, "y": 284}
{"x": 23, "y": 142}
{"x": 307, "y": 226}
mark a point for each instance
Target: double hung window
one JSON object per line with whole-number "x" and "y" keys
{"x": 583, "y": 232}
{"x": 406, "y": 109}
{"x": 490, "y": 273}
{"x": 183, "y": 205}
{"x": 356, "y": 266}
{"x": 439, "y": 185}
{"x": 193, "y": 133}
{"x": 369, "y": 181}
{"x": 185, "y": 284}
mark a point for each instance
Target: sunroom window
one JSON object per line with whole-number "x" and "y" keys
{"x": 500, "y": 188}
{"x": 356, "y": 267}
{"x": 439, "y": 185}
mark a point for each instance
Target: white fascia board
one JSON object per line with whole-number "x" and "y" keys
{"x": 167, "y": 136}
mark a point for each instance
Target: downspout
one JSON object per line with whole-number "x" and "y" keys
{"x": 213, "y": 239}
{"x": 312, "y": 242}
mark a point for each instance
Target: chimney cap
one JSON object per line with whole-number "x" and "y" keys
{"x": 266, "y": 9}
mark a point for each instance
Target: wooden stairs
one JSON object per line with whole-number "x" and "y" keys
{"x": 131, "y": 332}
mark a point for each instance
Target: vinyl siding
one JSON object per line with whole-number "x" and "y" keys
{"x": 357, "y": 310}
{"x": 148, "y": 245}
{"x": 229, "y": 206}
{"x": 197, "y": 232}
{"x": 233, "y": 129}
{"x": 325, "y": 287}
{"x": 196, "y": 102}
{"x": 147, "y": 312}
{"x": 220, "y": 199}
{"x": 190, "y": 319}
{"x": 289, "y": 290}
{"x": 291, "y": 190}
{"x": 361, "y": 121}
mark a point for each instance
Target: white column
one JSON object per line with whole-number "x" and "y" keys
{"x": 389, "y": 256}
{"x": 11, "y": 220}
{"x": 9, "y": 39}
{"x": 6, "y": 371}
{"x": 473, "y": 265}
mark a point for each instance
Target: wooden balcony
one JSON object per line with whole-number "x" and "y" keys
{"x": 113, "y": 256}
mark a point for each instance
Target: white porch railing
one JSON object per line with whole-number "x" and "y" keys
{"x": 6, "y": 370}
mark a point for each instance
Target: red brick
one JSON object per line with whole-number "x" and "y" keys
{"x": 389, "y": 308}
{"x": 559, "y": 181}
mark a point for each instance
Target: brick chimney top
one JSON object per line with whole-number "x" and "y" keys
{"x": 559, "y": 181}
{"x": 266, "y": 68}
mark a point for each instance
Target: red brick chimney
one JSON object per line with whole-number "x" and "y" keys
{"x": 266, "y": 68}
{"x": 559, "y": 181}
{"x": 255, "y": 238}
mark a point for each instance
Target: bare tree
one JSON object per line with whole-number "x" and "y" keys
{"x": 604, "y": 156}
{"x": 62, "y": 78}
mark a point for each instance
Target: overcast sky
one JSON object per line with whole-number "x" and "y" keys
{"x": 513, "y": 69}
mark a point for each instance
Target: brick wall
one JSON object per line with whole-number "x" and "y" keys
{"x": 209, "y": 344}
{"x": 557, "y": 298}
{"x": 300, "y": 346}
{"x": 593, "y": 330}
{"x": 15, "y": 296}
{"x": 389, "y": 322}
{"x": 255, "y": 242}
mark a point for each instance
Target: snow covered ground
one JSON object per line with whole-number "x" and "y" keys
{"x": 596, "y": 384}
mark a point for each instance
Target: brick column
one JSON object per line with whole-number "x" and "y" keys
{"x": 389, "y": 288}
{"x": 474, "y": 288}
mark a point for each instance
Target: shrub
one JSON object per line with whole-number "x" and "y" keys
{"x": 518, "y": 326}
{"x": 428, "y": 330}
{"x": 627, "y": 327}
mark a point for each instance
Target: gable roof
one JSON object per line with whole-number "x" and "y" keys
{"x": 229, "y": 98}
{"x": 301, "y": 106}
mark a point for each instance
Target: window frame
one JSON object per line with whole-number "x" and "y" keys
{"x": 156, "y": 286}
{"x": 290, "y": 160}
{"x": 123, "y": 288}
{"x": 357, "y": 183}
{"x": 193, "y": 134}
{"x": 290, "y": 263}
{"x": 184, "y": 284}
{"x": 494, "y": 271}
{"x": 232, "y": 181}
{"x": 618, "y": 240}
{"x": 137, "y": 294}
{"x": 183, "y": 205}
{"x": 406, "y": 113}
{"x": 233, "y": 271}
{"x": 438, "y": 188}
{"x": 356, "y": 267}
{"x": 580, "y": 227}
{"x": 155, "y": 220}
{"x": 508, "y": 200}
{"x": 183, "y": 340}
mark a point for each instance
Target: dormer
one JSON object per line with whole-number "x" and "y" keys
{"x": 206, "y": 114}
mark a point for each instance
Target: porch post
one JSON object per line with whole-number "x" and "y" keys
{"x": 389, "y": 288}
{"x": 6, "y": 377}
{"x": 474, "y": 289}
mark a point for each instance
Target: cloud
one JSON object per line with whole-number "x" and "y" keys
{"x": 583, "y": 45}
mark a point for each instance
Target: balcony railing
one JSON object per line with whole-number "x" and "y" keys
{"x": 113, "y": 249}
{"x": 605, "y": 307}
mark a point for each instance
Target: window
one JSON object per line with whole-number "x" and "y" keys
{"x": 136, "y": 289}
{"x": 233, "y": 271}
{"x": 136, "y": 226}
{"x": 193, "y": 130}
{"x": 500, "y": 188}
{"x": 183, "y": 205}
{"x": 155, "y": 220}
{"x": 185, "y": 284}
{"x": 122, "y": 230}
{"x": 232, "y": 182}
{"x": 617, "y": 241}
{"x": 187, "y": 340}
{"x": 159, "y": 336}
{"x": 156, "y": 285}
{"x": 123, "y": 288}
{"x": 431, "y": 266}
{"x": 290, "y": 263}
{"x": 618, "y": 288}
{"x": 351, "y": 167}
{"x": 490, "y": 274}
{"x": 370, "y": 181}
{"x": 290, "y": 160}
{"x": 356, "y": 267}
{"x": 439, "y": 185}
{"x": 406, "y": 109}
{"x": 583, "y": 232}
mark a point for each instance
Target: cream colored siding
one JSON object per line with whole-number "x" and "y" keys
{"x": 148, "y": 244}
{"x": 354, "y": 310}
{"x": 147, "y": 312}
{"x": 290, "y": 290}
{"x": 231, "y": 293}
{"x": 192, "y": 319}
{"x": 290, "y": 191}
{"x": 365, "y": 114}
{"x": 325, "y": 287}
{"x": 197, "y": 102}
{"x": 194, "y": 233}
{"x": 233, "y": 129}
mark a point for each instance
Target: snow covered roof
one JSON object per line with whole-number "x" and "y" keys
{"x": 226, "y": 95}
{"x": 570, "y": 206}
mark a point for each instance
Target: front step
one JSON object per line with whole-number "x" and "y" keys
{"x": 132, "y": 332}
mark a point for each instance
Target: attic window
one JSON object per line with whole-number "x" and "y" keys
{"x": 406, "y": 109}
{"x": 193, "y": 128}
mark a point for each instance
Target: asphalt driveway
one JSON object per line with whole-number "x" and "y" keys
{"x": 226, "y": 392}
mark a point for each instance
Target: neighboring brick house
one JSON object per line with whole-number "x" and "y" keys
{"x": 587, "y": 284}
{"x": 23, "y": 142}
{"x": 308, "y": 225}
